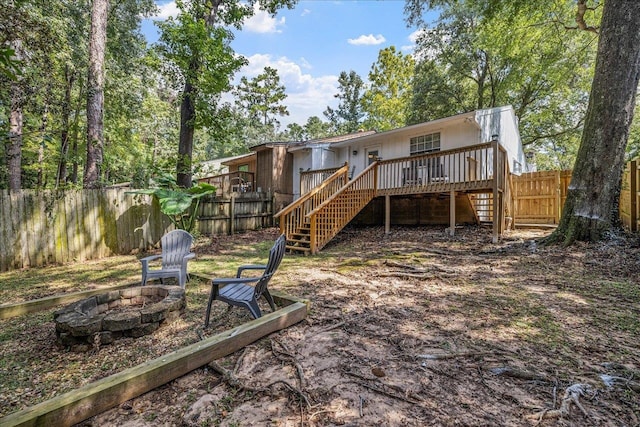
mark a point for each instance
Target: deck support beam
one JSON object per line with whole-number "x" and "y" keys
{"x": 452, "y": 213}
{"x": 496, "y": 194}
{"x": 387, "y": 214}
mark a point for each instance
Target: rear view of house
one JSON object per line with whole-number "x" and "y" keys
{"x": 451, "y": 170}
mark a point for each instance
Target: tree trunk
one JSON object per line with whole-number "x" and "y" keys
{"x": 591, "y": 210}
{"x": 13, "y": 145}
{"x": 61, "y": 176}
{"x": 95, "y": 93}
{"x": 185, "y": 148}
{"x": 43, "y": 142}
{"x": 188, "y": 109}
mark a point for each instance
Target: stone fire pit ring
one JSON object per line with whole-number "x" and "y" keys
{"x": 131, "y": 312}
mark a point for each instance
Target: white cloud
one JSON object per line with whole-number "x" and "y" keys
{"x": 305, "y": 12}
{"x": 166, "y": 10}
{"x": 262, "y": 22}
{"x": 307, "y": 95}
{"x": 369, "y": 40}
{"x": 413, "y": 37}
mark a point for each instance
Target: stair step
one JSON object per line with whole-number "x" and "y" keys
{"x": 302, "y": 249}
{"x": 298, "y": 241}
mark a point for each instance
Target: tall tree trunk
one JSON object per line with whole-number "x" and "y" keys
{"x": 61, "y": 175}
{"x": 95, "y": 93}
{"x": 185, "y": 148}
{"x": 13, "y": 145}
{"x": 76, "y": 136}
{"x": 187, "y": 107}
{"x": 43, "y": 142}
{"x": 591, "y": 210}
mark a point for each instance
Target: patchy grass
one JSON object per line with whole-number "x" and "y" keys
{"x": 569, "y": 315}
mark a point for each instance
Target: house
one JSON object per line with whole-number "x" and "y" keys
{"x": 452, "y": 170}
{"x": 268, "y": 168}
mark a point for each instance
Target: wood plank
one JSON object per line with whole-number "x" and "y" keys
{"x": 40, "y": 304}
{"x": 92, "y": 399}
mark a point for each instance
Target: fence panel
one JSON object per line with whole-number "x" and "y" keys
{"x": 539, "y": 196}
{"x": 630, "y": 196}
{"x": 49, "y": 227}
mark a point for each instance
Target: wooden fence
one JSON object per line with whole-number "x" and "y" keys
{"x": 53, "y": 227}
{"x": 630, "y": 196}
{"x": 539, "y": 196}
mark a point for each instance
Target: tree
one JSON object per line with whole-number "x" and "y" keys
{"x": 349, "y": 115}
{"x": 295, "y": 132}
{"x": 95, "y": 93}
{"x": 486, "y": 54}
{"x": 591, "y": 210}
{"x": 315, "y": 128}
{"x": 260, "y": 98}
{"x": 387, "y": 101}
{"x": 197, "y": 46}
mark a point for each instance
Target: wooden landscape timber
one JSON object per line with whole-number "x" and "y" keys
{"x": 92, "y": 399}
{"x": 25, "y": 307}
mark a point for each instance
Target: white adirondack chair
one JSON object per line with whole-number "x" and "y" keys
{"x": 176, "y": 252}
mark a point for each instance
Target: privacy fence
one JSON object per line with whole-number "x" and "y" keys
{"x": 49, "y": 227}
{"x": 540, "y": 196}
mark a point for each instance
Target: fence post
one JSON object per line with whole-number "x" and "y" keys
{"x": 232, "y": 208}
{"x": 633, "y": 183}
{"x": 557, "y": 211}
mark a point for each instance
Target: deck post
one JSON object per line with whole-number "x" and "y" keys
{"x": 232, "y": 222}
{"x": 387, "y": 214}
{"x": 452, "y": 213}
{"x": 496, "y": 204}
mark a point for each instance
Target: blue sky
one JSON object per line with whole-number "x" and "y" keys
{"x": 311, "y": 44}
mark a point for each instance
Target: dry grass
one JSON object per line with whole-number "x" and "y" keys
{"x": 566, "y": 315}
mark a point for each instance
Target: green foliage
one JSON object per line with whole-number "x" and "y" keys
{"x": 260, "y": 102}
{"x": 9, "y": 65}
{"x": 349, "y": 115}
{"x": 178, "y": 203}
{"x": 387, "y": 101}
{"x": 491, "y": 53}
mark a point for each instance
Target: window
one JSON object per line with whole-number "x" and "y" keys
{"x": 243, "y": 168}
{"x": 424, "y": 144}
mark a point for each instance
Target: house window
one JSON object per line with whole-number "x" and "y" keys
{"x": 424, "y": 144}
{"x": 243, "y": 168}
{"x": 517, "y": 166}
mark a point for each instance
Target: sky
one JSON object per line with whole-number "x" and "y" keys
{"x": 311, "y": 44}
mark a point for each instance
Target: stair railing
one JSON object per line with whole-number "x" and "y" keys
{"x": 293, "y": 216}
{"x": 327, "y": 219}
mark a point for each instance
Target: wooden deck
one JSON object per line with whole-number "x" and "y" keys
{"x": 313, "y": 220}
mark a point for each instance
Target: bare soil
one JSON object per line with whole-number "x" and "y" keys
{"x": 414, "y": 328}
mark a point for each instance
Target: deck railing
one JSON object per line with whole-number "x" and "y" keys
{"x": 293, "y": 217}
{"x": 312, "y": 178}
{"x": 462, "y": 169}
{"x": 227, "y": 183}
{"x": 327, "y": 219}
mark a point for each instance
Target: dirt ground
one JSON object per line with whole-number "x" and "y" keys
{"x": 418, "y": 328}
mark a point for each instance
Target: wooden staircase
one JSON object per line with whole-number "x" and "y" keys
{"x": 313, "y": 220}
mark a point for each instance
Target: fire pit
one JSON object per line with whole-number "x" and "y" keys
{"x": 131, "y": 312}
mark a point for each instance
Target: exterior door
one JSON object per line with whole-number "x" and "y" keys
{"x": 372, "y": 153}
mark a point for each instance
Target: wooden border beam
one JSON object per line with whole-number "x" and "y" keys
{"x": 92, "y": 399}
{"x": 33, "y": 306}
